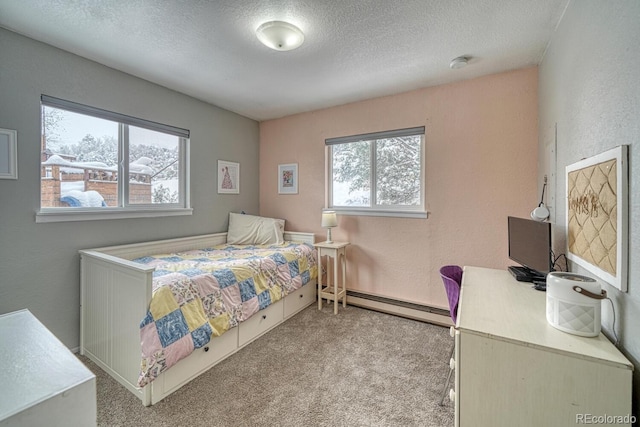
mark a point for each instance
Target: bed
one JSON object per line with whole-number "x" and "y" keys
{"x": 120, "y": 327}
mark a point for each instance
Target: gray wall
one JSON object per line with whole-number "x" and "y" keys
{"x": 39, "y": 263}
{"x": 588, "y": 84}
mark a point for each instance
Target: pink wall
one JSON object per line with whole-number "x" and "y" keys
{"x": 481, "y": 164}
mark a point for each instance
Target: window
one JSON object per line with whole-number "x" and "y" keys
{"x": 379, "y": 173}
{"x": 85, "y": 153}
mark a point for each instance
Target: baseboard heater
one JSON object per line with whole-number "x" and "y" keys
{"x": 410, "y": 310}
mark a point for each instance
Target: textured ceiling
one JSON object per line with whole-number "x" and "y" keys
{"x": 353, "y": 50}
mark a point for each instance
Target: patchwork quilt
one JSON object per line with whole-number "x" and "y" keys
{"x": 200, "y": 294}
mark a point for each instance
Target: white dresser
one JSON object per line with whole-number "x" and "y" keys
{"x": 514, "y": 369}
{"x": 42, "y": 382}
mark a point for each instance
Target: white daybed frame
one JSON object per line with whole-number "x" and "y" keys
{"x": 115, "y": 294}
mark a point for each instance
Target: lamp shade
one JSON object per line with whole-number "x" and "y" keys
{"x": 329, "y": 219}
{"x": 279, "y": 35}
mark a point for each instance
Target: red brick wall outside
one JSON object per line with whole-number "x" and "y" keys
{"x": 50, "y": 194}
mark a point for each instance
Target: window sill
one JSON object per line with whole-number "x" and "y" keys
{"x": 382, "y": 212}
{"x": 74, "y": 214}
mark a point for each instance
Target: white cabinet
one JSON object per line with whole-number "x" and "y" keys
{"x": 42, "y": 382}
{"x": 514, "y": 369}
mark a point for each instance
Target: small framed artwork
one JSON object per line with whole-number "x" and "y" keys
{"x": 228, "y": 177}
{"x": 288, "y": 178}
{"x": 8, "y": 154}
{"x": 597, "y": 215}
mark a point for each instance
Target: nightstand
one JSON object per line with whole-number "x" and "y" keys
{"x": 336, "y": 255}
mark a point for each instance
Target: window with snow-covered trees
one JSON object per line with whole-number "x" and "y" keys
{"x": 379, "y": 173}
{"x": 94, "y": 160}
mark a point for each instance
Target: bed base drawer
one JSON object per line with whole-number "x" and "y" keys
{"x": 299, "y": 299}
{"x": 260, "y": 323}
{"x": 193, "y": 365}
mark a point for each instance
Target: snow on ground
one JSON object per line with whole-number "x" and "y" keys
{"x": 92, "y": 198}
{"x": 85, "y": 199}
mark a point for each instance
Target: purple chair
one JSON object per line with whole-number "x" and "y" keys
{"x": 452, "y": 278}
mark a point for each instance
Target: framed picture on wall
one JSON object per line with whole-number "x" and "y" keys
{"x": 288, "y": 178}
{"x": 228, "y": 177}
{"x": 597, "y": 215}
{"x": 8, "y": 154}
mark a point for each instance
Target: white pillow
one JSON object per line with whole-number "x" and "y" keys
{"x": 254, "y": 230}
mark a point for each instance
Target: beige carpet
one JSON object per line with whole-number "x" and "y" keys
{"x": 359, "y": 368}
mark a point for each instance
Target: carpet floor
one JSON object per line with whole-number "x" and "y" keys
{"x": 357, "y": 368}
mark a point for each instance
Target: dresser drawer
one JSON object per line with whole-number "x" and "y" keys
{"x": 260, "y": 323}
{"x": 299, "y": 299}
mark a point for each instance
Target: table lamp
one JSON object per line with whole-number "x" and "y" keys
{"x": 329, "y": 221}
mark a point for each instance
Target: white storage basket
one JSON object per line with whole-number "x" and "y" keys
{"x": 573, "y": 303}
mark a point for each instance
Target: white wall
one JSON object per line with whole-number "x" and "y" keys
{"x": 589, "y": 86}
{"x": 39, "y": 263}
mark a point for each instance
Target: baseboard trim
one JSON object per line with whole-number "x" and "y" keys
{"x": 423, "y": 313}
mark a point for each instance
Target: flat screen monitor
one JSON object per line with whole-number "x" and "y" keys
{"x": 530, "y": 244}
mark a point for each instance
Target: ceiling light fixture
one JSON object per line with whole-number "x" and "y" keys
{"x": 279, "y": 35}
{"x": 459, "y": 62}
